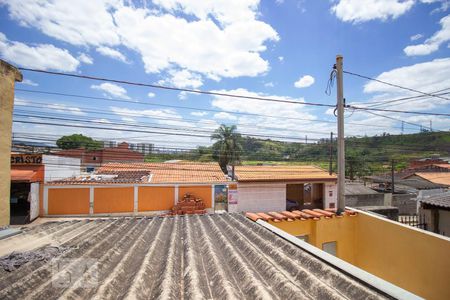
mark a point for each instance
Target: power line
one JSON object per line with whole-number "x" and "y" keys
{"x": 395, "y": 85}
{"x": 412, "y": 98}
{"x": 399, "y": 111}
{"x": 196, "y": 91}
{"x": 268, "y": 99}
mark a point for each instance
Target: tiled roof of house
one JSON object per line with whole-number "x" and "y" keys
{"x": 440, "y": 200}
{"x": 435, "y": 177}
{"x": 282, "y": 173}
{"x": 444, "y": 166}
{"x": 182, "y": 172}
{"x": 222, "y": 256}
{"x": 290, "y": 216}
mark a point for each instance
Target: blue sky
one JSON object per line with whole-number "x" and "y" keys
{"x": 278, "y": 49}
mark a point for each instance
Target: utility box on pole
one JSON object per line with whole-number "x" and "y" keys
{"x": 340, "y": 137}
{"x": 8, "y": 76}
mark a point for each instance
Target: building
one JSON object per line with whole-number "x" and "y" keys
{"x": 275, "y": 188}
{"x": 436, "y": 212}
{"x": 133, "y": 188}
{"x": 221, "y": 256}
{"x": 29, "y": 173}
{"x": 413, "y": 259}
{"x": 441, "y": 178}
{"x": 91, "y": 159}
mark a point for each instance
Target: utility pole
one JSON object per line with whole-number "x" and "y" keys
{"x": 431, "y": 126}
{"x": 331, "y": 153}
{"x": 341, "y": 140}
{"x": 306, "y": 139}
{"x": 392, "y": 177}
{"x": 403, "y": 126}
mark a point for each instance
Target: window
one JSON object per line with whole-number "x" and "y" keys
{"x": 94, "y": 158}
{"x": 329, "y": 247}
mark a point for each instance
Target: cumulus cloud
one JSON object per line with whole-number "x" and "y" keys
{"x": 225, "y": 116}
{"x": 111, "y": 89}
{"x": 151, "y": 95}
{"x": 41, "y": 56}
{"x": 357, "y": 11}
{"x": 304, "y": 81}
{"x": 416, "y": 37}
{"x": 112, "y": 53}
{"x": 182, "y": 79}
{"x": 199, "y": 113}
{"x": 214, "y": 39}
{"x": 84, "y": 58}
{"x": 432, "y": 44}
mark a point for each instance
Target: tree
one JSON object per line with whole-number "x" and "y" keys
{"x": 76, "y": 141}
{"x": 228, "y": 146}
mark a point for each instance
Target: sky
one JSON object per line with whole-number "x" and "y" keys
{"x": 283, "y": 50}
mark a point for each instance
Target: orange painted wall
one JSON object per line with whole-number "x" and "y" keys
{"x": 204, "y": 192}
{"x": 113, "y": 200}
{"x": 156, "y": 198}
{"x": 68, "y": 201}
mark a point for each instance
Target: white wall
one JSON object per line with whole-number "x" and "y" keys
{"x": 330, "y": 189}
{"x": 261, "y": 197}
{"x": 59, "y": 167}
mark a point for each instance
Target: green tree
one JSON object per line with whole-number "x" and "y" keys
{"x": 76, "y": 141}
{"x": 228, "y": 146}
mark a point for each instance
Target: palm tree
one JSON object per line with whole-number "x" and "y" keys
{"x": 228, "y": 146}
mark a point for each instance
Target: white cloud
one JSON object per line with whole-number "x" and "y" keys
{"x": 357, "y": 11}
{"x": 41, "y": 56}
{"x": 111, "y": 89}
{"x": 65, "y": 108}
{"x": 230, "y": 50}
{"x": 182, "y": 95}
{"x": 281, "y": 58}
{"x": 429, "y": 77}
{"x": 69, "y": 21}
{"x": 304, "y": 81}
{"x": 182, "y": 79}
{"x": 149, "y": 113}
{"x": 84, "y": 58}
{"x": 416, "y": 37}
{"x": 225, "y": 116}
{"x": 199, "y": 113}
{"x": 28, "y": 82}
{"x": 269, "y": 84}
{"x": 432, "y": 44}
{"x": 214, "y": 39}
{"x": 112, "y": 53}
{"x": 151, "y": 95}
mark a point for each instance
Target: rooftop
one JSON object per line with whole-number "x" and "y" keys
{"x": 210, "y": 256}
{"x": 179, "y": 172}
{"x": 282, "y": 173}
{"x": 440, "y": 200}
{"x": 442, "y": 178}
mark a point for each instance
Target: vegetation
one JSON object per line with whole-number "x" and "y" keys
{"x": 227, "y": 148}
{"x": 364, "y": 155}
{"x": 76, "y": 141}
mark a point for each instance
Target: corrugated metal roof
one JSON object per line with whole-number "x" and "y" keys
{"x": 440, "y": 200}
{"x": 282, "y": 173}
{"x": 201, "y": 257}
{"x": 358, "y": 189}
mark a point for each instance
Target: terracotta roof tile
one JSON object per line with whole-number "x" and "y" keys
{"x": 435, "y": 177}
{"x": 282, "y": 173}
{"x": 304, "y": 214}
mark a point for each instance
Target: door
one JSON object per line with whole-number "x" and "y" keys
{"x": 33, "y": 198}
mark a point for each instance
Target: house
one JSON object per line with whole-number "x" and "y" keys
{"x": 281, "y": 187}
{"x": 133, "y": 188}
{"x": 411, "y": 258}
{"x": 29, "y": 173}
{"x": 91, "y": 159}
{"x": 436, "y": 213}
{"x": 220, "y": 256}
{"x": 441, "y": 178}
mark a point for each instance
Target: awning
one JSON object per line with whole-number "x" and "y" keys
{"x": 23, "y": 175}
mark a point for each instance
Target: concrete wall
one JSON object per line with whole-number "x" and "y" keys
{"x": 406, "y": 203}
{"x": 60, "y": 167}
{"x": 261, "y": 197}
{"x": 8, "y": 76}
{"x": 364, "y": 200}
{"x": 444, "y": 222}
{"x": 410, "y": 258}
{"x": 330, "y": 195}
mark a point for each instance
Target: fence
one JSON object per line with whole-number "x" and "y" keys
{"x": 417, "y": 221}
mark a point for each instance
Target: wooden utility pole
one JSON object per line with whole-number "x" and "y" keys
{"x": 340, "y": 138}
{"x": 392, "y": 177}
{"x": 8, "y": 76}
